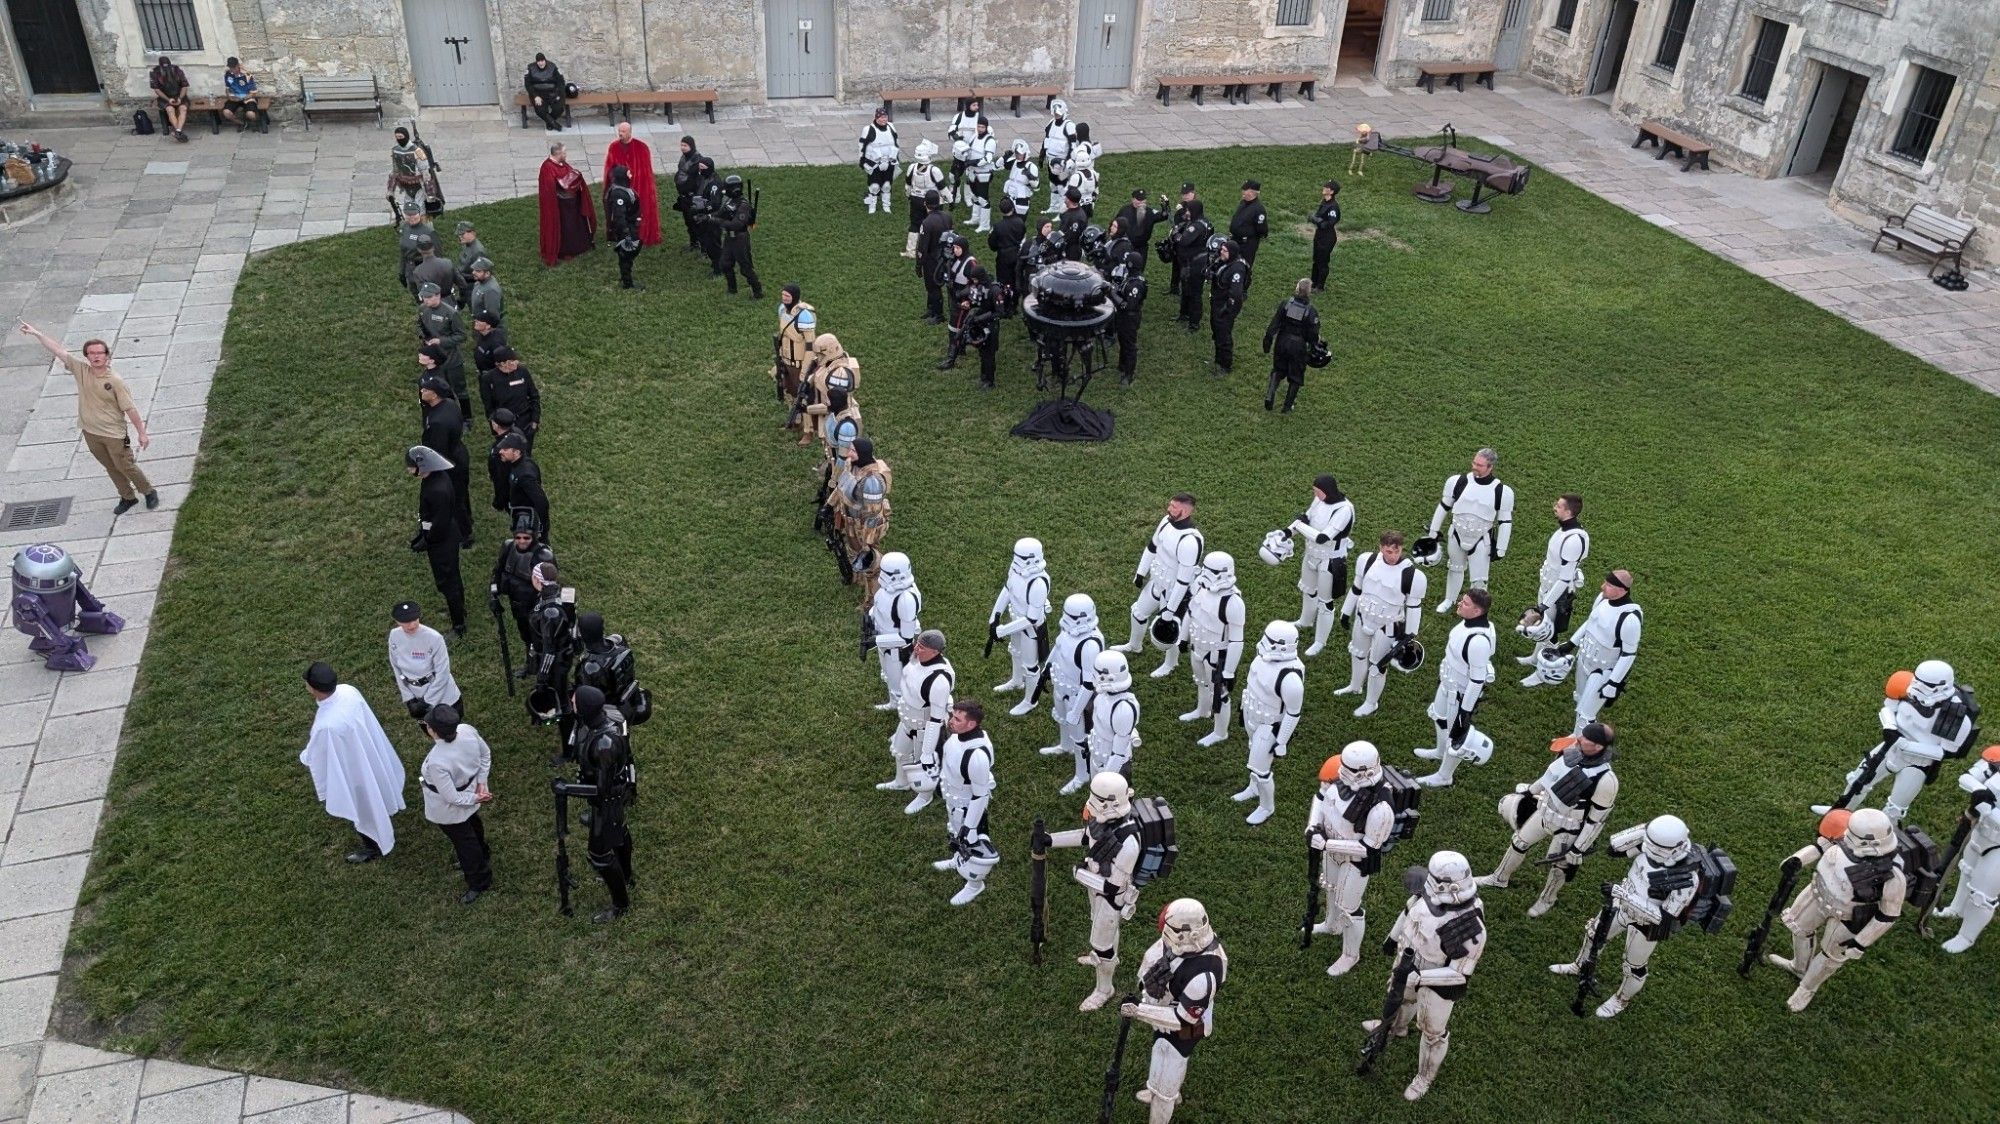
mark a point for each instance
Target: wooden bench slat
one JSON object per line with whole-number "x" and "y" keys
{"x": 1048, "y": 94}
{"x": 1235, "y": 86}
{"x": 1931, "y": 232}
{"x": 1454, "y": 75}
{"x": 923, "y": 97}
{"x": 339, "y": 94}
{"x": 1671, "y": 141}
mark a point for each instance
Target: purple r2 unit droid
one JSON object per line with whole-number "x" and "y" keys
{"x": 49, "y": 597}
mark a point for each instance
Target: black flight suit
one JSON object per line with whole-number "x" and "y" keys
{"x": 1294, "y": 329}
{"x": 444, "y": 433}
{"x": 437, "y": 511}
{"x": 1248, "y": 227}
{"x": 1229, "y": 284}
{"x": 735, "y": 219}
{"x": 1005, "y": 241}
{"x": 1326, "y": 235}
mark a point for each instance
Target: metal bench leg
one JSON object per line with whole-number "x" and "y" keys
{"x": 1197, "y": 95}
{"x": 1457, "y": 82}
{"x": 1486, "y": 80}
{"x": 1644, "y": 136}
{"x": 1165, "y": 94}
{"x": 1015, "y": 105}
{"x": 1307, "y": 89}
{"x": 670, "y": 112}
{"x": 925, "y": 107}
{"x": 215, "y": 122}
{"x": 710, "y": 107}
{"x": 1277, "y": 91}
{"x": 1427, "y": 83}
{"x": 524, "y": 116}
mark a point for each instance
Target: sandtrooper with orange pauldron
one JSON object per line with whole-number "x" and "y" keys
{"x": 1855, "y": 896}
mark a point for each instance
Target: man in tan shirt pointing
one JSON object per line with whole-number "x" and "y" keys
{"x": 102, "y": 406}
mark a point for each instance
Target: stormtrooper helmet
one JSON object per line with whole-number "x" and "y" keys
{"x": 1407, "y": 655}
{"x": 1666, "y": 840}
{"x": 1111, "y": 672}
{"x": 1870, "y": 832}
{"x": 1552, "y": 665}
{"x": 1083, "y": 156}
{"x": 1476, "y": 748}
{"x": 1279, "y": 642}
{"x": 1933, "y": 683}
{"x": 1277, "y": 547}
{"x": 1448, "y": 879}
{"x": 1218, "y": 572}
{"x": 1059, "y": 109}
{"x": 1536, "y": 625}
{"x": 1360, "y": 764}
{"x": 926, "y": 149}
{"x": 1184, "y": 927}
{"x": 961, "y": 149}
{"x": 1079, "y": 614}
{"x": 1028, "y": 560}
{"x": 1110, "y": 797}
{"x": 896, "y": 573}
{"x": 1427, "y": 551}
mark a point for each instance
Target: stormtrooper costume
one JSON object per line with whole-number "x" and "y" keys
{"x": 1567, "y": 805}
{"x": 1023, "y": 176}
{"x": 1215, "y": 641}
{"x": 880, "y": 153}
{"x": 1555, "y": 593}
{"x": 1326, "y": 527}
{"x": 1274, "y": 694}
{"x": 919, "y": 180}
{"x": 1072, "y": 664}
{"x": 1165, "y": 580}
{"x": 1385, "y": 604}
{"x": 959, "y": 135}
{"x": 1481, "y": 510}
{"x": 1648, "y": 904}
{"x": 1350, "y": 823}
{"x": 1179, "y": 978}
{"x": 1058, "y": 137}
{"x": 1924, "y": 723}
{"x": 1025, "y": 601}
{"x": 1605, "y": 649}
{"x": 1443, "y": 926}
{"x": 1080, "y": 172}
{"x": 892, "y": 618}
{"x": 1855, "y": 896}
{"x": 1107, "y": 871}
{"x": 1464, "y": 673}
{"x": 1979, "y": 864}
{"x": 1108, "y": 713}
{"x": 982, "y": 159}
{"x": 922, "y": 708}
{"x": 965, "y": 775}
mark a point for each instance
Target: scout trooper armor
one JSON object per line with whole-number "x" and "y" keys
{"x": 1481, "y": 510}
{"x": 1072, "y": 664}
{"x": 1350, "y": 823}
{"x": 965, "y": 776}
{"x": 880, "y": 152}
{"x": 1274, "y": 694}
{"x": 1023, "y": 175}
{"x": 982, "y": 159}
{"x": 1165, "y": 580}
{"x": 1385, "y": 605}
{"x": 1107, "y": 871}
{"x": 1979, "y": 864}
{"x": 1108, "y": 712}
{"x": 1464, "y": 672}
{"x": 1081, "y": 169}
{"x": 892, "y": 616}
{"x": 1179, "y": 978}
{"x": 1561, "y": 577}
{"x": 1326, "y": 527}
{"x": 1925, "y": 718}
{"x": 1567, "y": 806}
{"x": 1443, "y": 929}
{"x": 1648, "y": 904}
{"x": 1605, "y": 649}
{"x": 1024, "y": 600}
{"x": 1215, "y": 640}
{"x": 919, "y": 180}
{"x": 922, "y": 708}
{"x": 1855, "y": 896}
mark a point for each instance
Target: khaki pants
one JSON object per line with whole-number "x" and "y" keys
{"x": 115, "y": 454}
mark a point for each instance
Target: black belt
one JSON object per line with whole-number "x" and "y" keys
{"x": 419, "y": 682}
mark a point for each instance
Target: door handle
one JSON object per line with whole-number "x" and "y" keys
{"x": 458, "y": 55}
{"x": 809, "y": 42}
{"x": 1107, "y": 36}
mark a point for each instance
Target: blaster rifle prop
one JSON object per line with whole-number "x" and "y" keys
{"x": 992, "y": 634}
{"x": 1755, "y": 947}
{"x": 1586, "y": 975}
{"x": 564, "y": 884}
{"x": 1116, "y": 1074}
{"x": 1865, "y": 773}
{"x": 1315, "y": 862}
{"x": 1952, "y": 850}
{"x": 867, "y": 636}
{"x": 1038, "y": 891}
{"x": 1378, "y": 1039}
{"x": 778, "y": 374}
{"x": 506, "y": 654}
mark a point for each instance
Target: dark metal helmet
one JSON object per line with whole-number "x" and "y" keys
{"x": 1093, "y": 238}
{"x": 951, "y": 240}
{"x": 1319, "y": 355}
{"x": 733, "y": 184}
{"x": 1215, "y": 242}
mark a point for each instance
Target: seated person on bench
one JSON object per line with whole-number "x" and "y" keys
{"x": 239, "y": 95}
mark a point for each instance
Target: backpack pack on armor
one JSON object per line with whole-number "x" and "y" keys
{"x": 1717, "y": 880}
{"x": 1405, "y": 794}
{"x": 1962, "y": 705}
{"x": 1923, "y": 865}
{"x": 1157, "y": 850}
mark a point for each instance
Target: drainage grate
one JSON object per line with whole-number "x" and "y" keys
{"x": 34, "y": 515}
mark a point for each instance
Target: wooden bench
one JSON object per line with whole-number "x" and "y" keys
{"x": 1671, "y": 141}
{"x": 1193, "y": 84}
{"x": 1048, "y": 94}
{"x": 213, "y": 107}
{"x": 1454, "y": 74}
{"x": 668, "y": 99}
{"x": 1274, "y": 85}
{"x": 320, "y": 94}
{"x": 1928, "y": 231}
{"x": 924, "y": 97}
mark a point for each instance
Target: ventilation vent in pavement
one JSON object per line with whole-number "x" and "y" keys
{"x": 34, "y": 515}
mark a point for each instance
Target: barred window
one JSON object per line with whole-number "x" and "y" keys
{"x": 1764, "y": 59}
{"x": 169, "y": 25}
{"x": 1922, "y": 116}
{"x": 1295, "y": 13}
{"x": 1437, "y": 9}
{"x": 1679, "y": 14}
{"x": 1566, "y": 15}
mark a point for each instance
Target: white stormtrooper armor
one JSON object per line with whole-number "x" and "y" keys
{"x": 1444, "y": 930}
{"x": 1566, "y": 806}
{"x": 1024, "y": 601}
{"x": 1606, "y": 647}
{"x": 1180, "y": 977}
{"x": 965, "y": 776}
{"x": 1386, "y": 603}
{"x": 921, "y": 710}
{"x": 1057, "y": 138}
{"x": 982, "y": 159}
{"x": 1326, "y": 527}
{"x": 1023, "y": 176}
{"x": 1072, "y": 664}
{"x": 1464, "y": 672}
{"x": 1274, "y": 694}
{"x": 1215, "y": 640}
{"x": 1481, "y": 510}
{"x": 1648, "y": 904}
{"x": 1979, "y": 863}
{"x": 923, "y": 176}
{"x": 1080, "y": 172}
{"x": 892, "y": 616}
{"x": 1555, "y": 591}
{"x": 880, "y": 153}
{"x": 964, "y": 126}
{"x": 1108, "y": 872}
{"x": 1855, "y": 896}
{"x": 1350, "y": 823}
{"x": 1108, "y": 712}
{"x": 1930, "y": 721}
{"x": 1166, "y": 576}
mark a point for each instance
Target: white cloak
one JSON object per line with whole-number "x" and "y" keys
{"x": 355, "y": 770}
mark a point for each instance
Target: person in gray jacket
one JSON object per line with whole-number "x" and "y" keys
{"x": 454, "y": 778}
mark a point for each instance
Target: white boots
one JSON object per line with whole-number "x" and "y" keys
{"x": 910, "y": 244}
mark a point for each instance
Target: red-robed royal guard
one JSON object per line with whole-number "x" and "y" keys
{"x": 633, "y": 154}
{"x": 569, "y": 222}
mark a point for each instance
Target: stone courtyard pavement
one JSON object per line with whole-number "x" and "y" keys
{"x": 149, "y": 258}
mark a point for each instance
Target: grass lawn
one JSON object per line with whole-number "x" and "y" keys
{"x": 1798, "y": 499}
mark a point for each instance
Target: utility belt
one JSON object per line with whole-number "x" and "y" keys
{"x": 406, "y": 179}
{"x": 424, "y": 682}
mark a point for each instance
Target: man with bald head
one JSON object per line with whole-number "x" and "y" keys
{"x": 632, "y": 154}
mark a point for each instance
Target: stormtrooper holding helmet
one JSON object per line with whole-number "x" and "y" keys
{"x": 1350, "y": 824}
{"x": 1179, "y": 978}
{"x": 1024, "y": 601}
{"x": 922, "y": 709}
{"x": 1648, "y": 905}
{"x": 959, "y": 135}
{"x": 1481, "y": 510}
{"x": 1215, "y": 643}
{"x": 1384, "y": 608}
{"x": 1464, "y": 672}
{"x": 965, "y": 776}
{"x": 1442, "y": 933}
{"x": 1072, "y": 666}
{"x": 1926, "y": 716}
{"x": 1326, "y": 527}
{"x": 1165, "y": 581}
{"x": 892, "y": 618}
{"x": 981, "y": 157}
{"x": 1561, "y": 577}
{"x": 1108, "y": 870}
{"x": 1602, "y": 651}
{"x": 1274, "y": 695}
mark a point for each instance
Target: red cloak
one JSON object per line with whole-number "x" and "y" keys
{"x": 636, "y": 157}
{"x": 551, "y": 210}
